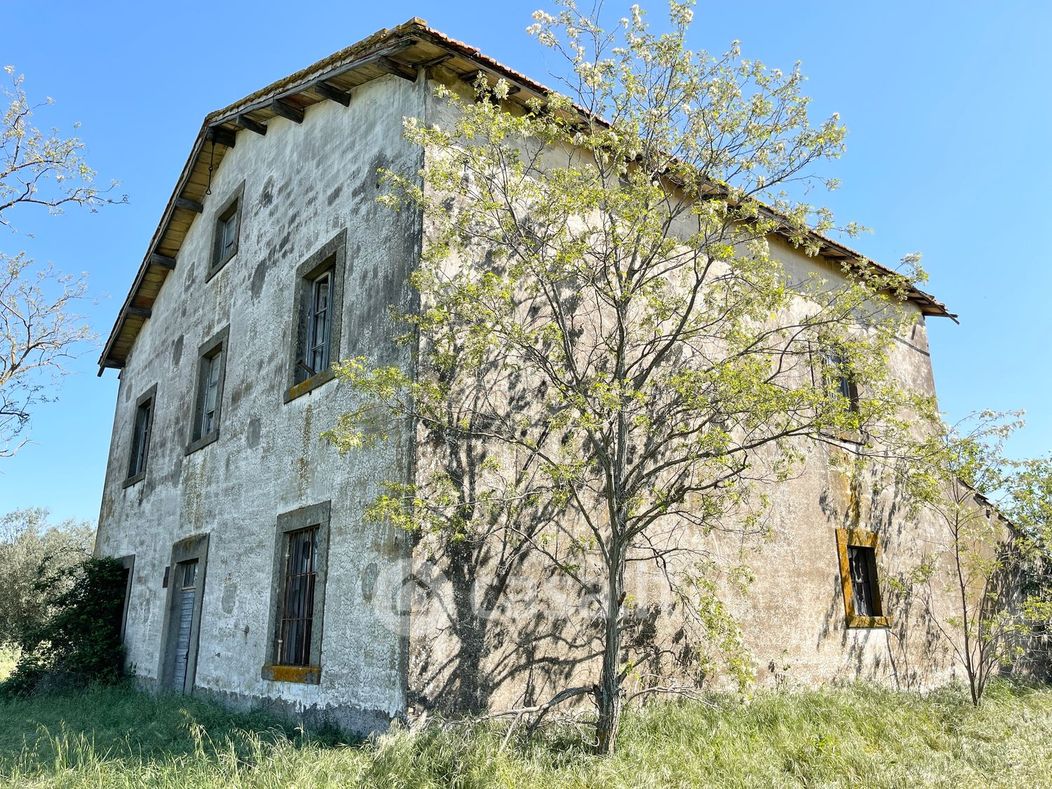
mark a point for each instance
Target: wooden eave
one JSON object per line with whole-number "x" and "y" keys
{"x": 401, "y": 51}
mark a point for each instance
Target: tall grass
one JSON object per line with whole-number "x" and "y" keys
{"x": 857, "y": 736}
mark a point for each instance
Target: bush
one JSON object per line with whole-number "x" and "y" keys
{"x": 79, "y": 642}
{"x": 30, "y": 546}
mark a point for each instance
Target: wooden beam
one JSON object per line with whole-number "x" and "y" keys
{"x": 430, "y": 64}
{"x": 139, "y": 312}
{"x": 332, "y": 93}
{"x": 157, "y": 259}
{"x": 396, "y": 68}
{"x": 246, "y": 122}
{"x": 286, "y": 110}
{"x": 221, "y": 136}
{"x": 189, "y": 205}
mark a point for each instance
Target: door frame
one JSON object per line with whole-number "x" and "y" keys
{"x": 185, "y": 550}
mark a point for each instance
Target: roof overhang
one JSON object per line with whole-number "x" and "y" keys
{"x": 401, "y": 51}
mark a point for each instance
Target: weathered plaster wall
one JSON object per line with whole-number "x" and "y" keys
{"x": 539, "y": 636}
{"x": 472, "y": 646}
{"x": 303, "y": 184}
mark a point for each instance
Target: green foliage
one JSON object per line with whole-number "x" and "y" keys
{"x": 29, "y": 547}
{"x": 606, "y": 317}
{"x": 79, "y": 643}
{"x": 994, "y": 556}
{"x": 856, "y": 736}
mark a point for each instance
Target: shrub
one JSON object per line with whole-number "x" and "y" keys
{"x": 30, "y": 545}
{"x": 79, "y": 642}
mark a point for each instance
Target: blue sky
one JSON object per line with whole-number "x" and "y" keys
{"x": 946, "y": 103}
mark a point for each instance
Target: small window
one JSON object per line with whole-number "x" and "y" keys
{"x": 208, "y": 401}
{"x": 298, "y": 601}
{"x": 315, "y": 357}
{"x": 208, "y": 416}
{"x": 189, "y": 574}
{"x": 858, "y": 553}
{"x": 863, "y": 566}
{"x": 317, "y": 311}
{"x": 140, "y": 444}
{"x": 227, "y": 232}
{"x": 840, "y": 378}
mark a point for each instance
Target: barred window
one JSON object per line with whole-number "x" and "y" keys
{"x": 297, "y": 605}
{"x": 297, "y": 608}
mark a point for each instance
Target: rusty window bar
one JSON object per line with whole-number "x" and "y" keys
{"x": 297, "y": 611}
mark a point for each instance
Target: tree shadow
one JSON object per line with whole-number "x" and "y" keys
{"x": 874, "y": 501}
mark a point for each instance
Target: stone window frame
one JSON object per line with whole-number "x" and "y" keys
{"x": 296, "y": 520}
{"x": 149, "y": 396}
{"x": 331, "y": 255}
{"x": 218, "y": 340}
{"x": 187, "y": 549}
{"x": 233, "y": 205}
{"x": 861, "y": 538}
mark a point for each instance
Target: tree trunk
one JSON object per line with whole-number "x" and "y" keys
{"x": 608, "y": 693}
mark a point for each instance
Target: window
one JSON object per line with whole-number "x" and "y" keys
{"x": 316, "y": 332}
{"x": 316, "y": 356}
{"x": 297, "y": 605}
{"x": 227, "y": 231}
{"x": 207, "y": 419}
{"x": 863, "y": 565}
{"x": 208, "y": 402}
{"x": 298, "y": 595}
{"x": 858, "y": 551}
{"x": 140, "y": 443}
{"x": 839, "y": 377}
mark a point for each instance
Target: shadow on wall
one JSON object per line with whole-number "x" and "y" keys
{"x": 912, "y": 650}
{"x": 504, "y": 613}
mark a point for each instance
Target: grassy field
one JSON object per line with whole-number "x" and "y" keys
{"x": 857, "y": 736}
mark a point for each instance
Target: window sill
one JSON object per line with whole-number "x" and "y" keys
{"x": 134, "y": 479}
{"x": 203, "y": 441}
{"x": 304, "y": 675}
{"x": 219, "y": 265}
{"x": 869, "y": 622}
{"x": 312, "y": 383}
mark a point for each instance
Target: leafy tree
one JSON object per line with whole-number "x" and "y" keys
{"x": 79, "y": 643}
{"x": 993, "y": 568}
{"x": 1028, "y": 505}
{"x": 613, "y": 359}
{"x": 31, "y": 547}
{"x": 38, "y": 331}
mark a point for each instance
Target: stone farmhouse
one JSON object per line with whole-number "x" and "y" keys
{"x": 253, "y": 576}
